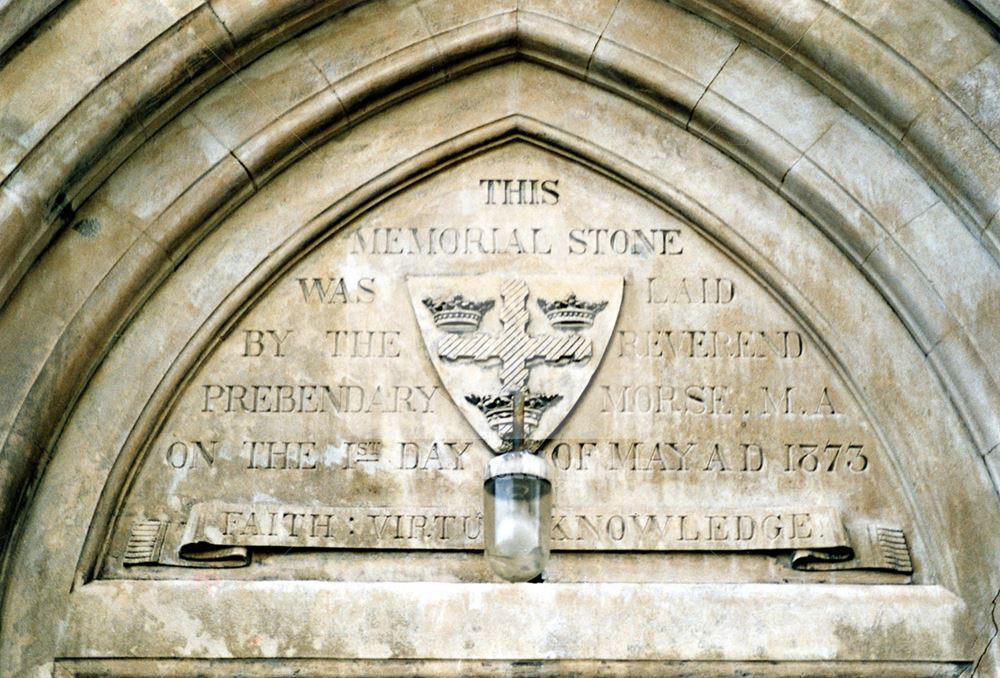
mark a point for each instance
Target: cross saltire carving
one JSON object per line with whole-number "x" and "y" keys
{"x": 487, "y": 348}
{"x": 515, "y": 347}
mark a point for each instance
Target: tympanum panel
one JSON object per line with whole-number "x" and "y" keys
{"x": 696, "y": 427}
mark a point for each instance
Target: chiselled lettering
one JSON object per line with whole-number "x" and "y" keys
{"x": 520, "y": 191}
{"x": 196, "y": 453}
{"x": 258, "y": 343}
{"x": 715, "y": 344}
{"x": 693, "y": 400}
{"x": 363, "y": 343}
{"x": 704, "y": 290}
{"x": 280, "y": 454}
{"x": 451, "y": 241}
{"x": 634, "y": 241}
{"x": 332, "y": 290}
{"x": 316, "y": 398}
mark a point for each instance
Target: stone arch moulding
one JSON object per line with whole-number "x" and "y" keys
{"x": 754, "y": 134}
{"x": 935, "y": 595}
{"x": 751, "y": 135}
{"x": 951, "y": 586}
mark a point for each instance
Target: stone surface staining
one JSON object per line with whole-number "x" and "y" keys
{"x": 277, "y": 279}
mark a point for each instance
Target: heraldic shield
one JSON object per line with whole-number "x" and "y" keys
{"x": 494, "y": 337}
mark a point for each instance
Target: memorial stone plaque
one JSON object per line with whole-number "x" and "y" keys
{"x": 697, "y": 429}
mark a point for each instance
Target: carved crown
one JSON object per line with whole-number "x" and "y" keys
{"x": 499, "y": 410}
{"x": 571, "y": 313}
{"x": 457, "y": 314}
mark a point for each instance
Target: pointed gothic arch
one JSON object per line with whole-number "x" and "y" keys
{"x": 107, "y": 211}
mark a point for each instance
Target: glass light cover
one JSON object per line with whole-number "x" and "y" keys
{"x": 517, "y": 515}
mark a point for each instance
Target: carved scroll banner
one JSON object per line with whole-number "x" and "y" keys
{"x": 219, "y": 534}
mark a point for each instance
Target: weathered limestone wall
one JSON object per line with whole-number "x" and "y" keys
{"x": 163, "y": 163}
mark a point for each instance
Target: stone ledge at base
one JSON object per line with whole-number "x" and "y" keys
{"x": 901, "y": 627}
{"x": 329, "y": 668}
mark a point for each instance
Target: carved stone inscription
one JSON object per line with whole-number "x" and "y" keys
{"x": 682, "y": 406}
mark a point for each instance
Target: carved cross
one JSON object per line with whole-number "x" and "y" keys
{"x": 515, "y": 348}
{"x": 517, "y": 437}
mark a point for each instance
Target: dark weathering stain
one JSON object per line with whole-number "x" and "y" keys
{"x": 88, "y": 227}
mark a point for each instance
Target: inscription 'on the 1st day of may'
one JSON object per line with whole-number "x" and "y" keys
{"x": 356, "y": 404}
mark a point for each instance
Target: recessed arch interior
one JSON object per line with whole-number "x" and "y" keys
{"x": 332, "y": 221}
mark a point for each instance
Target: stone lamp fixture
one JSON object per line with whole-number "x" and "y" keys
{"x": 517, "y": 510}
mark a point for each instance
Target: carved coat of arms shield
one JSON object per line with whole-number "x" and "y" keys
{"x": 494, "y": 338}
